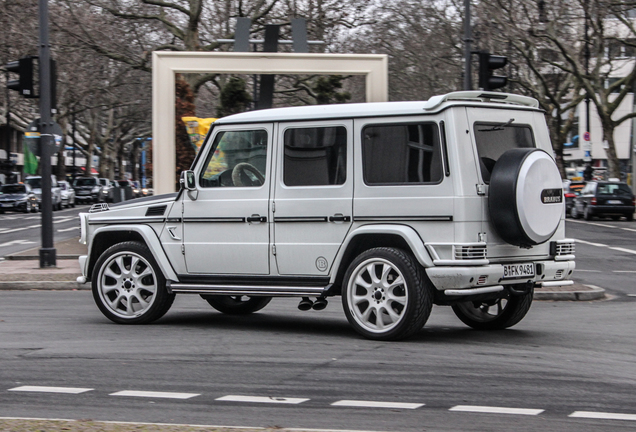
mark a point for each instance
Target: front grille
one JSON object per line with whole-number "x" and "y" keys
{"x": 470, "y": 252}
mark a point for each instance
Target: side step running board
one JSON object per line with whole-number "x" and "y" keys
{"x": 262, "y": 290}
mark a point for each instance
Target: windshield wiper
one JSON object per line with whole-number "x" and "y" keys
{"x": 498, "y": 127}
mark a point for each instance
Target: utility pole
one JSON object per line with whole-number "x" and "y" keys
{"x": 587, "y": 96}
{"x": 47, "y": 251}
{"x": 467, "y": 47}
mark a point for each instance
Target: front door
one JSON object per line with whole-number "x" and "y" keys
{"x": 313, "y": 195}
{"x": 225, "y": 221}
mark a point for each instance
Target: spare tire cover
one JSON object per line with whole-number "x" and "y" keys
{"x": 525, "y": 197}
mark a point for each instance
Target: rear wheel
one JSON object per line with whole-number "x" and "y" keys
{"x": 128, "y": 285}
{"x": 237, "y": 305}
{"x": 495, "y": 314}
{"x": 575, "y": 213}
{"x": 386, "y": 294}
{"x": 587, "y": 214}
{"x": 629, "y": 216}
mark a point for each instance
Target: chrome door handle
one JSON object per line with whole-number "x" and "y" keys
{"x": 256, "y": 218}
{"x": 339, "y": 217}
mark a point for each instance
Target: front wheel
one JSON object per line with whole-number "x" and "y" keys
{"x": 128, "y": 285}
{"x": 386, "y": 295}
{"x": 494, "y": 314}
{"x": 237, "y": 305}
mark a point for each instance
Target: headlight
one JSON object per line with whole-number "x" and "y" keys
{"x": 144, "y": 191}
{"x": 105, "y": 192}
{"x": 95, "y": 189}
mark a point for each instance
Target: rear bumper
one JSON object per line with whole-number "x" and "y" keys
{"x": 613, "y": 209}
{"x": 462, "y": 278}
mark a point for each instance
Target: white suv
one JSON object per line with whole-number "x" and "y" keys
{"x": 392, "y": 206}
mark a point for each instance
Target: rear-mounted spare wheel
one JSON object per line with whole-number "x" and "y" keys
{"x": 525, "y": 197}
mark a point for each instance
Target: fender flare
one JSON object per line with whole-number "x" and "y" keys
{"x": 152, "y": 240}
{"x": 410, "y": 236}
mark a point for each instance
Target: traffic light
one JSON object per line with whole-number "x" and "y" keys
{"x": 26, "y": 84}
{"x": 487, "y": 64}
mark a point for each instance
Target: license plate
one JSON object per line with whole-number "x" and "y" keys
{"x": 6, "y": 205}
{"x": 618, "y": 202}
{"x": 83, "y": 193}
{"x": 513, "y": 271}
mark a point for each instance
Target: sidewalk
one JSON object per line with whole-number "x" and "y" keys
{"x": 21, "y": 271}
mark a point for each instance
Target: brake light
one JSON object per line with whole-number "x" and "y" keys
{"x": 570, "y": 195}
{"x": 593, "y": 202}
{"x": 634, "y": 201}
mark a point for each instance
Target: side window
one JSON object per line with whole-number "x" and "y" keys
{"x": 401, "y": 154}
{"x": 315, "y": 156}
{"x": 237, "y": 159}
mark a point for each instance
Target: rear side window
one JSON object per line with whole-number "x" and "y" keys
{"x": 494, "y": 139}
{"x": 614, "y": 189}
{"x": 401, "y": 154}
{"x": 315, "y": 156}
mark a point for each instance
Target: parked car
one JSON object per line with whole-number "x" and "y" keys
{"x": 571, "y": 190}
{"x": 56, "y": 193}
{"x": 68, "y": 194}
{"x": 394, "y": 207}
{"x": 604, "y": 199}
{"x": 128, "y": 188}
{"x": 88, "y": 189}
{"x": 108, "y": 191}
{"x": 18, "y": 197}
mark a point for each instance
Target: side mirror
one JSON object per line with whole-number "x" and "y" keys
{"x": 187, "y": 180}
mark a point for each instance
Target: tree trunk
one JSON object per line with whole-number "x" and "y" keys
{"x": 613, "y": 163}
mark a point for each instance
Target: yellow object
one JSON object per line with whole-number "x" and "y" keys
{"x": 197, "y": 129}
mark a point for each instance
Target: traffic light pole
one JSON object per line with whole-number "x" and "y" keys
{"x": 467, "y": 47}
{"x": 47, "y": 251}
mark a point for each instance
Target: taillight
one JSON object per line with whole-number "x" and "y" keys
{"x": 634, "y": 201}
{"x": 570, "y": 195}
{"x": 593, "y": 202}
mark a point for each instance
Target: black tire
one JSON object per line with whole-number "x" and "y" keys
{"x": 616, "y": 218}
{"x": 479, "y": 316}
{"x": 136, "y": 280}
{"x": 407, "y": 307}
{"x": 27, "y": 207}
{"x": 523, "y": 181}
{"x": 629, "y": 216}
{"x": 587, "y": 214}
{"x": 237, "y": 305}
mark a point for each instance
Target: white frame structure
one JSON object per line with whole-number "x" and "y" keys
{"x": 165, "y": 64}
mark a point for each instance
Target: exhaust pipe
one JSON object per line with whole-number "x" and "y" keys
{"x": 305, "y": 304}
{"x": 320, "y": 303}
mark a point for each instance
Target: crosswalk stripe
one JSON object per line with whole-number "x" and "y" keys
{"x": 496, "y": 410}
{"x": 43, "y": 389}
{"x": 602, "y": 415}
{"x": 377, "y": 404}
{"x": 261, "y": 399}
{"x": 152, "y": 394}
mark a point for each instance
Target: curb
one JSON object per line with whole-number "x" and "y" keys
{"x": 593, "y": 293}
{"x": 44, "y": 285}
{"x": 33, "y": 257}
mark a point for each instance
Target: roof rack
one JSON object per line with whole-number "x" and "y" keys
{"x": 481, "y": 96}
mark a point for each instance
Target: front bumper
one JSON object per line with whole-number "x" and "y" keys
{"x": 473, "y": 277}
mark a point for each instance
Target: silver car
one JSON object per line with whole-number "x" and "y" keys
{"x": 68, "y": 194}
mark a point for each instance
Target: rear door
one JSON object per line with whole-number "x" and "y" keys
{"x": 313, "y": 195}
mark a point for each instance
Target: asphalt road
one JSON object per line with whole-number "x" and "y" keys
{"x": 21, "y": 231}
{"x": 568, "y": 366}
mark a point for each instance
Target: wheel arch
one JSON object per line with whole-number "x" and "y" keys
{"x": 372, "y": 236}
{"x": 107, "y": 236}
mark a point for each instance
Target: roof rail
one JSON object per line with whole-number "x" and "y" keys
{"x": 477, "y": 95}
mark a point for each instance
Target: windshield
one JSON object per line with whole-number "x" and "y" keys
{"x": 35, "y": 183}
{"x": 494, "y": 139}
{"x": 85, "y": 182}
{"x": 13, "y": 189}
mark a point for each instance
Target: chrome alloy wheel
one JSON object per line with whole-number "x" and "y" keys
{"x": 127, "y": 284}
{"x": 377, "y": 295}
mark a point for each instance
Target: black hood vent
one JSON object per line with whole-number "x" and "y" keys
{"x": 156, "y": 211}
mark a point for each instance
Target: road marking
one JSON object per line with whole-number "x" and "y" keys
{"x": 376, "y": 404}
{"x": 262, "y": 399}
{"x": 21, "y": 229}
{"x": 66, "y": 219}
{"x": 150, "y": 394}
{"x": 16, "y": 242}
{"x": 631, "y": 295}
{"x": 42, "y": 389}
{"x": 624, "y": 271}
{"x": 619, "y": 249}
{"x": 496, "y": 410}
{"x": 588, "y": 271}
{"x": 601, "y": 225}
{"x": 67, "y": 229}
{"x": 602, "y": 415}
